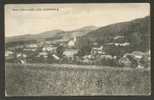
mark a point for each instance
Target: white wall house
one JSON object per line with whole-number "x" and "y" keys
{"x": 71, "y": 43}
{"x": 70, "y": 52}
{"x": 7, "y": 53}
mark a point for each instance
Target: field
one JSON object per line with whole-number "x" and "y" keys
{"x": 54, "y": 79}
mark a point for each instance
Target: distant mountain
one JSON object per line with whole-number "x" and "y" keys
{"x": 51, "y": 35}
{"x": 78, "y": 32}
{"x": 29, "y": 37}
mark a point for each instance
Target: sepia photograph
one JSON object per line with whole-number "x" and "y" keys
{"x": 77, "y": 49}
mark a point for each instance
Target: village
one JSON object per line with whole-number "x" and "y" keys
{"x": 66, "y": 52}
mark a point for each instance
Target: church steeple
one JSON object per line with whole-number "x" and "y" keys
{"x": 74, "y": 39}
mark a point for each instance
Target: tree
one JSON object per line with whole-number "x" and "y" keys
{"x": 60, "y": 50}
{"x": 84, "y": 45}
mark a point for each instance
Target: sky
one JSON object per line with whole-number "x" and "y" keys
{"x": 23, "y": 19}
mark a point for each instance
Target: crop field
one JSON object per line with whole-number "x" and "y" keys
{"x": 75, "y": 80}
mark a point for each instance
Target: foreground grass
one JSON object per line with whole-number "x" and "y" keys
{"x": 54, "y": 79}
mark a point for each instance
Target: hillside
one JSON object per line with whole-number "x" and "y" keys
{"x": 137, "y": 32}
{"x": 29, "y": 37}
{"x": 52, "y": 35}
{"x": 79, "y": 32}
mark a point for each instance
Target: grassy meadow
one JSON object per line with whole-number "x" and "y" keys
{"x": 56, "y": 80}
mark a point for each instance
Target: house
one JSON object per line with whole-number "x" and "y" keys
{"x": 70, "y": 52}
{"x": 21, "y": 55}
{"x": 71, "y": 43}
{"x": 29, "y": 49}
{"x": 32, "y": 45}
{"x": 136, "y": 54}
{"x": 122, "y": 44}
{"x": 97, "y": 50}
{"x": 134, "y": 57}
{"x": 55, "y": 57}
{"x": 88, "y": 57}
{"x": 21, "y": 58}
{"x": 8, "y": 53}
{"x": 148, "y": 54}
{"x": 19, "y": 47}
{"x": 124, "y": 61}
{"x": 118, "y": 37}
{"x": 125, "y": 44}
{"x": 106, "y": 57}
{"x": 43, "y": 54}
{"x": 49, "y": 48}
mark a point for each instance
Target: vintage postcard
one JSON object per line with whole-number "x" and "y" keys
{"x": 93, "y": 49}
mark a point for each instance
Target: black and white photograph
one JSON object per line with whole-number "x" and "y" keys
{"x": 77, "y": 49}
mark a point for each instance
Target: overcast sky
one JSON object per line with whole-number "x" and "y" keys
{"x": 32, "y": 19}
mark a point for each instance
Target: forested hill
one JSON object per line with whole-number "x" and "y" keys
{"x": 137, "y": 32}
